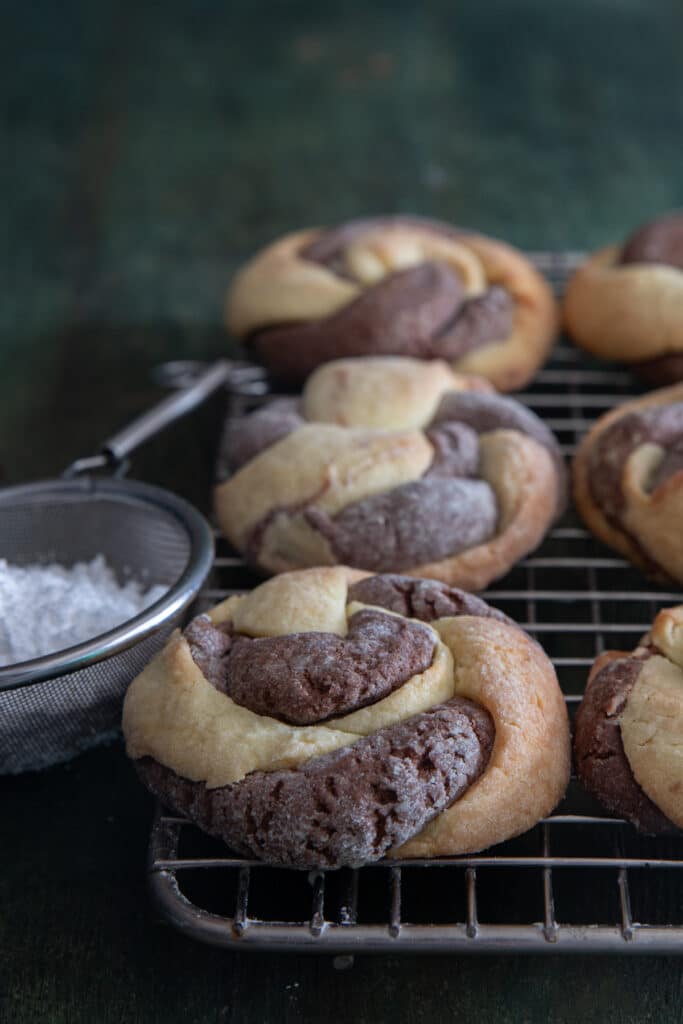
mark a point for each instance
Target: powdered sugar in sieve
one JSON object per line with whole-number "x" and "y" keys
{"x": 47, "y": 608}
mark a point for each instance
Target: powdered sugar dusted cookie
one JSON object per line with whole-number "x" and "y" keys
{"x": 391, "y": 465}
{"x": 330, "y": 718}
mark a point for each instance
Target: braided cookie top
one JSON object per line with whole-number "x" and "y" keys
{"x": 628, "y": 738}
{"x": 394, "y": 286}
{"x": 330, "y": 717}
{"x": 626, "y": 302}
{"x": 390, "y": 464}
{"x": 628, "y": 481}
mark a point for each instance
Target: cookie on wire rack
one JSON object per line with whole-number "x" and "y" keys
{"x": 628, "y": 482}
{"x": 628, "y": 734}
{"x": 625, "y": 303}
{"x": 401, "y": 285}
{"x": 330, "y": 718}
{"x": 391, "y": 465}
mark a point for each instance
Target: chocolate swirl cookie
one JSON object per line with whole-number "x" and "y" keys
{"x": 394, "y": 286}
{"x": 320, "y": 721}
{"x": 628, "y": 482}
{"x": 390, "y": 465}
{"x": 626, "y": 302}
{"x": 628, "y": 738}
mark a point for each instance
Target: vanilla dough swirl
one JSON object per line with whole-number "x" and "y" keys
{"x": 628, "y": 482}
{"x": 625, "y": 303}
{"x": 404, "y": 286}
{"x": 628, "y": 739}
{"x": 330, "y": 718}
{"x": 390, "y": 465}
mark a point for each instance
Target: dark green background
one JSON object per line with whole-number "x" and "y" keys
{"x": 146, "y": 150}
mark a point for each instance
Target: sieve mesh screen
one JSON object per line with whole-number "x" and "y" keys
{"x": 142, "y": 532}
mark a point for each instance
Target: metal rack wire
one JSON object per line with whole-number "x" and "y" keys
{"x": 578, "y": 882}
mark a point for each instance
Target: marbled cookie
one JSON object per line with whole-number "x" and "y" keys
{"x": 391, "y": 465}
{"x": 626, "y": 302}
{"x": 628, "y": 739}
{"x": 394, "y": 286}
{"x": 628, "y": 482}
{"x": 330, "y": 718}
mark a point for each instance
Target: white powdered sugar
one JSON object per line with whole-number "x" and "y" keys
{"x": 46, "y": 608}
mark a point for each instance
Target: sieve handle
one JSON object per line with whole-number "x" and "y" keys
{"x": 168, "y": 410}
{"x": 194, "y": 389}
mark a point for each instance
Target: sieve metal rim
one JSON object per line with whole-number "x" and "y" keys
{"x": 176, "y": 599}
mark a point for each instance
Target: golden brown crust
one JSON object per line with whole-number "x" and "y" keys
{"x": 654, "y": 520}
{"x": 500, "y": 668}
{"x": 512, "y": 363}
{"x": 625, "y": 312}
{"x": 629, "y": 728}
{"x": 173, "y": 714}
{"x": 652, "y": 734}
{"x": 667, "y": 633}
{"x": 280, "y": 286}
{"x": 326, "y": 467}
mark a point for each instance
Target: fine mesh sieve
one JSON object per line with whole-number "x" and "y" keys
{"x": 53, "y": 707}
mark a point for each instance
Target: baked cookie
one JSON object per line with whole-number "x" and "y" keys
{"x": 628, "y": 482}
{"x": 626, "y": 302}
{"x": 331, "y": 718}
{"x": 394, "y": 286}
{"x": 628, "y": 736}
{"x": 391, "y": 465}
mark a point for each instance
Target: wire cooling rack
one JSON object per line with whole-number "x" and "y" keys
{"x": 578, "y": 882}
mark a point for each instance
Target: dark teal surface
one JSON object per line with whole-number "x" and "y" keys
{"x": 80, "y": 942}
{"x": 146, "y": 150}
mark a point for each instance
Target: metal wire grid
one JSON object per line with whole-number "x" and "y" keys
{"x": 578, "y": 882}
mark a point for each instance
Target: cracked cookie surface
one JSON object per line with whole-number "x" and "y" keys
{"x": 342, "y": 755}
